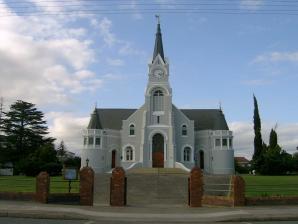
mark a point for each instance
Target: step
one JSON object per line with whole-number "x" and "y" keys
{"x": 157, "y": 170}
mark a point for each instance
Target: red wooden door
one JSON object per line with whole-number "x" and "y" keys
{"x": 158, "y": 160}
{"x": 157, "y": 151}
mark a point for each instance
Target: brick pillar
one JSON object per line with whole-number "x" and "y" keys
{"x": 86, "y": 186}
{"x": 42, "y": 187}
{"x": 195, "y": 187}
{"x": 238, "y": 191}
{"x": 118, "y": 187}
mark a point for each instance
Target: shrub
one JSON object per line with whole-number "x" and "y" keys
{"x": 53, "y": 169}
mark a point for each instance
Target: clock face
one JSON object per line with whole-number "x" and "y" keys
{"x": 158, "y": 73}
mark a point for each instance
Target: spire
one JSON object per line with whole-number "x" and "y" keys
{"x": 158, "y": 48}
{"x": 94, "y": 122}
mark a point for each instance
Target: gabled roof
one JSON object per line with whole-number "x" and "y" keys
{"x": 112, "y": 118}
{"x": 204, "y": 119}
{"x": 94, "y": 122}
{"x": 207, "y": 119}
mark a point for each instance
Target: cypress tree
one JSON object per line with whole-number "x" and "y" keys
{"x": 258, "y": 142}
{"x": 273, "y": 139}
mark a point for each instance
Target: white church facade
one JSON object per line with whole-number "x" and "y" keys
{"x": 158, "y": 134}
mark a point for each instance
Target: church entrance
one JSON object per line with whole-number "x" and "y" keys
{"x": 158, "y": 151}
{"x": 113, "y": 164}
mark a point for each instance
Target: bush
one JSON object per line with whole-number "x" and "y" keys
{"x": 53, "y": 169}
{"x": 73, "y": 162}
{"x": 28, "y": 167}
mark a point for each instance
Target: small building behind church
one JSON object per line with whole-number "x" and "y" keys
{"x": 158, "y": 134}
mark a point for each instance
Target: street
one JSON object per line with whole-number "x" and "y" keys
{"x": 6, "y": 220}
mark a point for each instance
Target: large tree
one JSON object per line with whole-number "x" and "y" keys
{"x": 25, "y": 129}
{"x": 258, "y": 142}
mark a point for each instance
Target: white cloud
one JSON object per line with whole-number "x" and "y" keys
{"x": 104, "y": 27}
{"x": 43, "y": 59}
{"x": 251, "y": 4}
{"x": 128, "y": 49}
{"x": 111, "y": 40}
{"x": 244, "y": 136}
{"x": 277, "y": 57}
{"x": 62, "y": 123}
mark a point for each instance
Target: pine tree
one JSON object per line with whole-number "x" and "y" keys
{"x": 258, "y": 143}
{"x": 25, "y": 128}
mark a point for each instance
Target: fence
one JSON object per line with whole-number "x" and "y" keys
{"x": 49, "y": 190}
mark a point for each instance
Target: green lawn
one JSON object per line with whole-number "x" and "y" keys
{"x": 27, "y": 184}
{"x": 271, "y": 185}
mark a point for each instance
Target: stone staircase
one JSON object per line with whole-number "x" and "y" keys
{"x": 158, "y": 186}
{"x": 217, "y": 185}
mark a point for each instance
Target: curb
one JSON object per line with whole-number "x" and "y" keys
{"x": 39, "y": 215}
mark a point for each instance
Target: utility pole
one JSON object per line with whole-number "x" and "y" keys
{"x": 1, "y": 109}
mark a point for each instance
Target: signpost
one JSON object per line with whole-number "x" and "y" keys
{"x": 70, "y": 173}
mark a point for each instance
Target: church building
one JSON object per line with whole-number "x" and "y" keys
{"x": 158, "y": 134}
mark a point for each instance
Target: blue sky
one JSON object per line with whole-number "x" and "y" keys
{"x": 67, "y": 63}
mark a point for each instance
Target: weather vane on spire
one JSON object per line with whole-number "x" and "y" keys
{"x": 158, "y": 18}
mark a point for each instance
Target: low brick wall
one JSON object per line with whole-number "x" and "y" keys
{"x": 272, "y": 200}
{"x": 217, "y": 200}
{"x": 64, "y": 198}
{"x": 18, "y": 196}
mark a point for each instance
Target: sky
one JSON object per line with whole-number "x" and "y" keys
{"x": 68, "y": 56}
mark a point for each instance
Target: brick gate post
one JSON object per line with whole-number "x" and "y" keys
{"x": 42, "y": 187}
{"x": 118, "y": 187}
{"x": 86, "y": 186}
{"x": 195, "y": 187}
{"x": 238, "y": 191}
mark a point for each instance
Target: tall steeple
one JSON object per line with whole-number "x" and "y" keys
{"x": 158, "y": 48}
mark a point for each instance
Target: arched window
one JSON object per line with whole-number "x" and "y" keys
{"x": 129, "y": 153}
{"x": 184, "y": 130}
{"x": 131, "y": 129}
{"x": 158, "y": 100}
{"x": 187, "y": 154}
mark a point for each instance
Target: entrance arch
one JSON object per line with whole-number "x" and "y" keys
{"x": 158, "y": 151}
{"x": 113, "y": 163}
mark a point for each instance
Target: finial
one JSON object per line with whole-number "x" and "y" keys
{"x": 220, "y": 108}
{"x": 95, "y": 104}
{"x": 158, "y": 19}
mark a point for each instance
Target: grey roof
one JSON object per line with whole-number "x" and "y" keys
{"x": 112, "y": 118}
{"x": 94, "y": 122}
{"x": 204, "y": 119}
{"x": 158, "y": 48}
{"x": 207, "y": 119}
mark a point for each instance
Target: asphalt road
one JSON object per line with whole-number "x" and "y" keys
{"x": 5, "y": 220}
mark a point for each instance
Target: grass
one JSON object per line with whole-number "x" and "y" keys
{"x": 28, "y": 184}
{"x": 271, "y": 185}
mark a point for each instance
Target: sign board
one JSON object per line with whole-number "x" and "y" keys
{"x": 70, "y": 173}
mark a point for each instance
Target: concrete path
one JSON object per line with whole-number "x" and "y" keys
{"x": 158, "y": 214}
